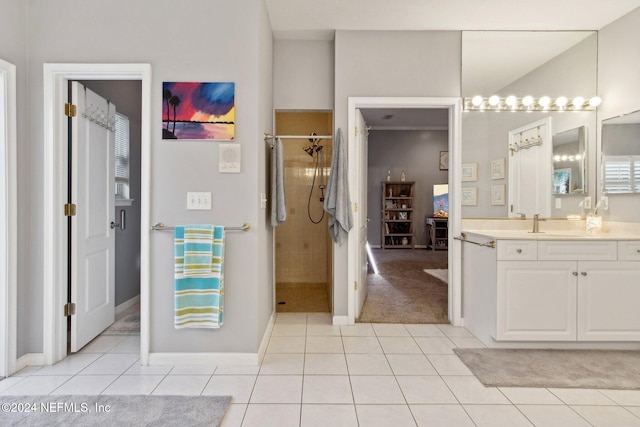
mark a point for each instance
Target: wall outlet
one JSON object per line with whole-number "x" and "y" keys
{"x": 604, "y": 203}
{"x": 587, "y": 202}
{"x": 198, "y": 201}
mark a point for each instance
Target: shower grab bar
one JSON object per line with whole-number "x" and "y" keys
{"x": 463, "y": 237}
{"x": 161, "y": 227}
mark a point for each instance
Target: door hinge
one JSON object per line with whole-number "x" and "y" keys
{"x": 69, "y": 110}
{"x": 355, "y": 285}
{"x": 356, "y": 131}
{"x": 70, "y": 309}
{"x": 510, "y": 208}
{"x": 69, "y": 209}
{"x": 355, "y": 207}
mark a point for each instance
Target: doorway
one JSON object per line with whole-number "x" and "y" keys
{"x": 404, "y": 149}
{"x": 302, "y": 242}
{"x": 358, "y": 189}
{"x": 56, "y": 77}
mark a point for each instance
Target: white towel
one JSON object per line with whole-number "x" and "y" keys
{"x": 278, "y": 203}
{"x": 337, "y": 202}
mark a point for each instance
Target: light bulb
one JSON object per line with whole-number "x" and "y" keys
{"x": 476, "y": 101}
{"x": 510, "y": 101}
{"x": 556, "y": 158}
{"x": 494, "y": 100}
{"x": 595, "y": 101}
{"x": 578, "y": 102}
{"x": 561, "y": 101}
{"x": 527, "y": 101}
{"x": 544, "y": 102}
{"x": 578, "y": 156}
{"x": 564, "y": 157}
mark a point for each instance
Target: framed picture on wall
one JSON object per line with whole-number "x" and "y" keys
{"x": 497, "y": 194}
{"x": 444, "y": 160}
{"x": 497, "y": 169}
{"x": 469, "y": 196}
{"x": 469, "y": 171}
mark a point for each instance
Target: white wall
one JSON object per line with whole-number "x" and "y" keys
{"x": 619, "y": 87}
{"x": 13, "y": 49}
{"x": 394, "y": 64}
{"x": 200, "y": 41}
{"x": 303, "y": 75}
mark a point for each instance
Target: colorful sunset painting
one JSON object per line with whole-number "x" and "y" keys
{"x": 198, "y": 111}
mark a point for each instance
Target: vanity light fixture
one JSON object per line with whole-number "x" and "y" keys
{"x": 529, "y": 103}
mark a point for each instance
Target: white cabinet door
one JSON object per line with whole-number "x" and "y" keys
{"x": 609, "y": 301}
{"x": 536, "y": 301}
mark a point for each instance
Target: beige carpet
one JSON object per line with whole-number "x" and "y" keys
{"x": 600, "y": 369}
{"x": 402, "y": 292}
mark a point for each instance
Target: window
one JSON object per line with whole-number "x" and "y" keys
{"x": 621, "y": 174}
{"x": 122, "y": 157}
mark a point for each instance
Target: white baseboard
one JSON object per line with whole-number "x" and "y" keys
{"x": 125, "y": 305}
{"x": 227, "y": 359}
{"x": 267, "y": 335}
{"x": 29, "y": 359}
{"x": 340, "y": 320}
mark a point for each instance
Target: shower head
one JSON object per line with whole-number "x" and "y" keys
{"x": 312, "y": 149}
{"x": 309, "y": 150}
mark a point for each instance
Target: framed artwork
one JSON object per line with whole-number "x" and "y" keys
{"x": 469, "y": 196}
{"x": 469, "y": 171}
{"x": 198, "y": 111}
{"x": 497, "y": 169}
{"x": 497, "y": 194}
{"x": 561, "y": 181}
{"x": 444, "y": 160}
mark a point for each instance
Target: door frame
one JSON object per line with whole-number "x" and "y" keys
{"x": 8, "y": 222}
{"x": 454, "y": 105}
{"x": 56, "y": 77}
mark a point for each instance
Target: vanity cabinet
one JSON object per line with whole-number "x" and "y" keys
{"x": 568, "y": 290}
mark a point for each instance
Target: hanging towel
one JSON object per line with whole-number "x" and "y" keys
{"x": 278, "y": 204}
{"x": 337, "y": 202}
{"x": 199, "y": 300}
{"x": 198, "y": 250}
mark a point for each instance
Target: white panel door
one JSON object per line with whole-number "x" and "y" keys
{"x": 609, "y": 301}
{"x": 536, "y": 300}
{"x": 530, "y": 176}
{"x": 362, "y": 139}
{"x": 93, "y": 235}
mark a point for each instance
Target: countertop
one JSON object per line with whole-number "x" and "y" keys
{"x": 551, "y": 235}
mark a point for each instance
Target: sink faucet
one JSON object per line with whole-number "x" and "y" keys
{"x": 536, "y": 223}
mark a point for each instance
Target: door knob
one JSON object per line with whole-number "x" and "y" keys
{"x": 114, "y": 225}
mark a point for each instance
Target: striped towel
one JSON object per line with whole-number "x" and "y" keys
{"x": 199, "y": 299}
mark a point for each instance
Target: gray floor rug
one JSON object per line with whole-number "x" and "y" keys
{"x": 104, "y": 411}
{"x": 600, "y": 369}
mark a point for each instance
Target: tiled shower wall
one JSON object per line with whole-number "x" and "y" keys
{"x": 303, "y": 249}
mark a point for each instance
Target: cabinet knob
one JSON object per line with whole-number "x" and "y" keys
{"x": 584, "y": 273}
{"x": 575, "y": 273}
{"x": 519, "y": 251}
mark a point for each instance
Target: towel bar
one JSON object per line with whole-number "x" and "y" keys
{"x": 463, "y": 237}
{"x": 161, "y": 227}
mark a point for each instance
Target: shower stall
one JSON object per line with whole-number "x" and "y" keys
{"x": 303, "y": 245}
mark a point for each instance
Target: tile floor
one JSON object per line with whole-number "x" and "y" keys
{"x": 316, "y": 374}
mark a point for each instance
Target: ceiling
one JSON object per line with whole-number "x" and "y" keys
{"x": 319, "y": 19}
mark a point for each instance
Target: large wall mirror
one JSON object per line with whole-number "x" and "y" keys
{"x": 620, "y": 171}
{"x": 538, "y": 64}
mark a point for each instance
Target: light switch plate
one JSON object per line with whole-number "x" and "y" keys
{"x": 587, "y": 202}
{"x": 558, "y": 203}
{"x": 198, "y": 201}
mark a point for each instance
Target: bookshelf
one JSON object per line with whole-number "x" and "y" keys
{"x": 397, "y": 214}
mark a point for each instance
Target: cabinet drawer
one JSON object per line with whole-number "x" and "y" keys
{"x": 520, "y": 250}
{"x": 573, "y": 250}
{"x": 629, "y": 250}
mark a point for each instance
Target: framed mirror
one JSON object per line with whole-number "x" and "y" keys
{"x": 620, "y": 161}
{"x": 569, "y": 159}
{"x": 527, "y": 63}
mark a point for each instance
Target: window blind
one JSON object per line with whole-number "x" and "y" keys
{"x": 122, "y": 155}
{"x": 621, "y": 174}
